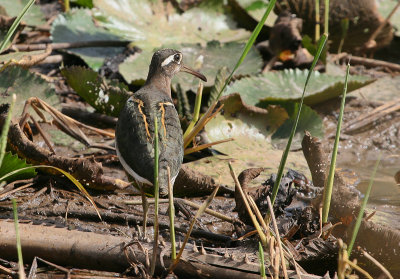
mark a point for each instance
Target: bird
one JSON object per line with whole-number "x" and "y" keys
{"x": 135, "y": 126}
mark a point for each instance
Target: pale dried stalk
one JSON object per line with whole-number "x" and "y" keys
{"x": 278, "y": 239}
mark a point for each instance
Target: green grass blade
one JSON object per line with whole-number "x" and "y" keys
{"x": 199, "y": 212}
{"x": 4, "y": 132}
{"x": 261, "y": 258}
{"x": 196, "y": 112}
{"x": 329, "y": 184}
{"x": 249, "y": 44}
{"x": 21, "y": 271}
{"x": 285, "y": 154}
{"x": 171, "y": 216}
{"x": 15, "y": 25}
{"x": 156, "y": 197}
{"x": 363, "y": 205}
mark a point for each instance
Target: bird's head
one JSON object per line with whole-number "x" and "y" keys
{"x": 168, "y": 62}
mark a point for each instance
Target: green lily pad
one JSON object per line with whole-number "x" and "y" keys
{"x": 24, "y": 84}
{"x": 207, "y": 60}
{"x": 78, "y": 26}
{"x": 288, "y": 85}
{"x": 254, "y": 9}
{"x": 251, "y": 128}
{"x": 152, "y": 24}
{"x": 11, "y": 163}
{"x": 105, "y": 98}
{"x": 385, "y": 7}
{"x": 309, "y": 121}
{"x": 33, "y": 17}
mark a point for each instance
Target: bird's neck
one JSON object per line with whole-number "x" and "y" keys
{"x": 161, "y": 82}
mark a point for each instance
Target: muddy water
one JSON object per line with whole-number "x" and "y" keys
{"x": 385, "y": 193}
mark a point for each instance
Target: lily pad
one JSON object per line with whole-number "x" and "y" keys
{"x": 78, "y": 26}
{"x": 11, "y": 163}
{"x": 33, "y": 17}
{"x": 251, "y": 128}
{"x": 105, "y": 98}
{"x": 24, "y": 84}
{"x": 254, "y": 9}
{"x": 309, "y": 121}
{"x": 152, "y": 24}
{"x": 288, "y": 85}
{"x": 208, "y": 60}
{"x": 384, "y": 8}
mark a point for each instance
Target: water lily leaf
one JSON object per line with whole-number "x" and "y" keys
{"x": 14, "y": 8}
{"x": 309, "y": 121}
{"x": 78, "y": 26}
{"x": 388, "y": 88}
{"x": 251, "y": 127}
{"x": 11, "y": 163}
{"x": 208, "y": 60}
{"x": 384, "y": 8}
{"x": 24, "y": 84}
{"x": 288, "y": 85}
{"x": 105, "y": 98}
{"x": 254, "y": 10}
{"x": 152, "y": 24}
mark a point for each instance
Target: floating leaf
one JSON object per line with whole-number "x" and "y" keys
{"x": 388, "y": 88}
{"x": 251, "y": 127}
{"x": 78, "y": 26}
{"x": 252, "y": 11}
{"x": 208, "y": 60}
{"x": 152, "y": 24}
{"x": 104, "y": 97}
{"x": 309, "y": 121}
{"x": 14, "y": 8}
{"x": 11, "y": 163}
{"x": 24, "y": 84}
{"x": 288, "y": 85}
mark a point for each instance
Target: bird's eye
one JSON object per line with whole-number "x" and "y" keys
{"x": 177, "y": 57}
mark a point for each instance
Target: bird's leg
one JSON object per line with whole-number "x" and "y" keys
{"x": 145, "y": 206}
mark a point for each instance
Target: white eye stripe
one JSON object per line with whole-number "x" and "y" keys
{"x": 169, "y": 59}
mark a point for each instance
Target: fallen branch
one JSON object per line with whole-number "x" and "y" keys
{"x": 370, "y": 63}
{"x": 107, "y": 252}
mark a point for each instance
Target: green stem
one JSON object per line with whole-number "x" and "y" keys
{"x": 285, "y": 154}
{"x": 362, "y": 209}
{"x": 15, "y": 24}
{"x": 262, "y": 264}
{"x": 248, "y": 45}
{"x": 156, "y": 197}
{"x": 329, "y": 185}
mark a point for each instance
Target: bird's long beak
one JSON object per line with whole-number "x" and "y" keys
{"x": 193, "y": 72}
